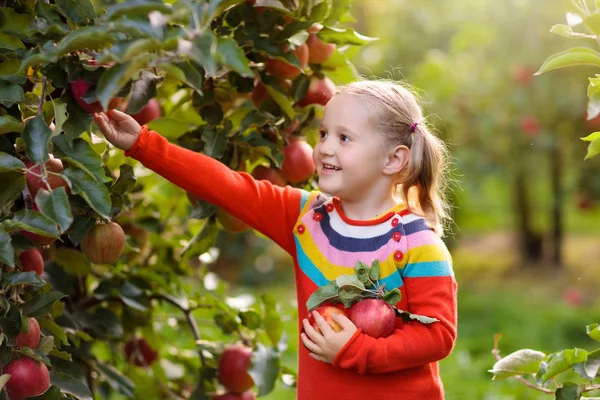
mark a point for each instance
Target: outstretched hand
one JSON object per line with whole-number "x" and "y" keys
{"x": 118, "y": 128}
{"x": 326, "y": 345}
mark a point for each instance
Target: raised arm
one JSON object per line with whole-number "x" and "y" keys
{"x": 431, "y": 291}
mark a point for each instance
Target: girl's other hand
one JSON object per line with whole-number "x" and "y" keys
{"x": 326, "y": 345}
{"x": 118, "y": 128}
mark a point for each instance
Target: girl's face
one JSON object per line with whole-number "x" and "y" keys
{"x": 350, "y": 155}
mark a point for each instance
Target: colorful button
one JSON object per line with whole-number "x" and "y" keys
{"x": 397, "y": 236}
{"x": 317, "y": 216}
{"x": 329, "y": 207}
{"x": 301, "y": 229}
{"x": 395, "y": 221}
{"x": 398, "y": 256}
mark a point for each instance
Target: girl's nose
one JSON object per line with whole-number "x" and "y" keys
{"x": 326, "y": 148}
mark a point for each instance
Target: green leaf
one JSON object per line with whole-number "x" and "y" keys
{"x": 89, "y": 37}
{"x": 204, "y": 240}
{"x": 76, "y": 10}
{"x": 10, "y": 93}
{"x": 421, "y": 318}
{"x": 70, "y": 385}
{"x": 63, "y": 355}
{"x": 126, "y": 180}
{"x": 78, "y": 121}
{"x": 521, "y": 362}
{"x": 13, "y": 22}
{"x": 22, "y": 278}
{"x": 562, "y": 361}
{"x": 93, "y": 192}
{"x": 53, "y": 393}
{"x": 133, "y": 8}
{"x": 113, "y": 79}
{"x": 339, "y": 8}
{"x": 266, "y": 363}
{"x": 344, "y": 36}
{"x": 594, "y": 147}
{"x": 323, "y": 294}
{"x": 592, "y": 22}
{"x": 36, "y": 355}
{"x": 55, "y": 205}
{"x": 250, "y": 319}
{"x": 593, "y": 331}
{"x": 126, "y": 51}
{"x": 46, "y": 345}
{"x": 7, "y": 253}
{"x": 282, "y": 101}
{"x": 12, "y": 321}
{"x": 10, "y": 124}
{"x": 271, "y": 319}
{"x": 80, "y": 154}
{"x": 73, "y": 261}
{"x": 12, "y": 184}
{"x": 3, "y": 379}
{"x": 349, "y": 280}
{"x": 569, "y": 58}
{"x": 41, "y": 305}
{"x": 226, "y": 322}
{"x": 362, "y": 272}
{"x": 233, "y": 56}
{"x": 375, "y": 271}
{"x": 392, "y": 297}
{"x": 215, "y": 141}
{"x": 48, "y": 324}
{"x": 142, "y": 91}
{"x": 171, "y": 127}
{"x": 115, "y": 378}
{"x": 569, "y": 391}
{"x": 32, "y": 221}
{"x": 203, "y": 209}
{"x": 10, "y": 163}
{"x": 36, "y": 136}
{"x": 186, "y": 73}
{"x": 81, "y": 226}
{"x": 589, "y": 369}
{"x": 201, "y": 50}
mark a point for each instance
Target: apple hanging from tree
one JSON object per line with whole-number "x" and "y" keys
{"x": 320, "y": 91}
{"x": 30, "y": 338}
{"x": 298, "y": 164}
{"x": 38, "y": 240}
{"x": 139, "y": 352}
{"x": 35, "y": 182}
{"x": 233, "y": 368}
{"x": 32, "y": 260}
{"x": 530, "y": 125}
{"x": 79, "y": 88}
{"x": 282, "y": 69}
{"x": 104, "y": 243}
{"x": 28, "y": 378}
{"x": 269, "y": 174}
{"x": 375, "y": 317}
{"x": 236, "y": 396}
{"x": 318, "y": 50}
{"x": 148, "y": 113}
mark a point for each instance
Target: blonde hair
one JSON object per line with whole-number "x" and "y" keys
{"x": 425, "y": 179}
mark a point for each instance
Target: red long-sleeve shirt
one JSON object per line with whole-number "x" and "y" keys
{"x": 324, "y": 244}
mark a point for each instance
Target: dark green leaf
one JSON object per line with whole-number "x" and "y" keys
{"x": 344, "y": 36}
{"x": 53, "y": 393}
{"x": 7, "y": 253}
{"x": 62, "y": 355}
{"x": 142, "y": 91}
{"x": 10, "y": 124}
{"x": 115, "y": 379}
{"x": 13, "y": 22}
{"x": 70, "y": 385}
{"x": 132, "y": 8}
{"x": 80, "y": 154}
{"x": 126, "y": 180}
{"x": 215, "y": 141}
{"x": 282, "y": 100}
{"x": 32, "y": 221}
{"x": 393, "y": 296}
{"x": 569, "y": 391}
{"x": 10, "y": 93}
{"x": 78, "y": 122}
{"x": 266, "y": 363}
{"x": 203, "y": 240}
{"x": 46, "y": 345}
{"x": 521, "y": 362}
{"x": 81, "y": 226}
{"x": 202, "y": 51}
{"x": 323, "y": 294}
{"x": 126, "y": 51}
{"x": 102, "y": 322}
{"x": 563, "y": 360}
{"x": 589, "y": 369}
{"x": 41, "y": 305}
{"x": 10, "y": 163}
{"x": 203, "y": 209}
{"x": 12, "y": 184}
{"x": 55, "y": 205}
{"x": 20, "y": 278}
{"x": 232, "y": 56}
{"x": 93, "y": 192}
{"x": 89, "y": 37}
{"x": 76, "y": 10}
{"x": 48, "y": 324}
{"x": 250, "y": 319}
{"x": 375, "y": 271}
{"x": 186, "y": 73}
{"x": 271, "y": 319}
{"x": 349, "y": 295}
{"x": 113, "y": 79}
{"x": 256, "y": 118}
{"x": 73, "y": 261}
{"x": 10, "y": 42}
{"x": 362, "y": 272}
{"x": 226, "y": 322}
{"x": 35, "y": 354}
{"x": 11, "y": 322}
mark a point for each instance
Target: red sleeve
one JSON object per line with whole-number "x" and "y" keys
{"x": 430, "y": 288}
{"x": 270, "y": 209}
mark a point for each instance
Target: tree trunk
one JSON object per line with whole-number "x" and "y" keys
{"x": 529, "y": 242}
{"x": 557, "y": 211}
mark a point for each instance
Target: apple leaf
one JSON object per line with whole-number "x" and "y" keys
{"x": 93, "y": 192}
{"x": 48, "y": 324}
{"x": 271, "y": 319}
{"x": 11, "y": 322}
{"x": 32, "y": 221}
{"x": 142, "y": 91}
{"x": 589, "y": 369}
{"x": 12, "y": 184}
{"x": 362, "y": 272}
{"x": 3, "y": 379}
{"x": 266, "y": 363}
{"x": 36, "y": 136}
{"x": 233, "y": 56}
{"x": 126, "y": 180}
{"x": 7, "y": 253}
{"x": 10, "y": 93}
{"x": 114, "y": 378}
{"x": 226, "y": 322}
{"x": 52, "y": 393}
{"x": 521, "y": 362}
{"x": 136, "y": 7}
{"x": 74, "y": 262}
{"x": 113, "y": 79}
{"x": 186, "y": 73}
{"x": 76, "y": 10}
{"x": 349, "y": 280}
{"x": 70, "y": 385}
{"x": 21, "y": 278}
{"x": 41, "y": 305}
{"x": 250, "y": 319}
{"x": 569, "y": 391}
{"x": 204, "y": 240}
{"x": 9, "y": 163}
{"x": 81, "y": 226}
{"x": 55, "y": 205}
{"x": 569, "y": 58}
{"x": 562, "y": 361}
{"x": 35, "y": 354}
{"x": 344, "y": 36}
{"x": 10, "y": 124}
{"x": 46, "y": 345}
{"x": 80, "y": 154}
{"x": 375, "y": 271}
{"x": 323, "y": 294}
{"x": 215, "y": 141}
{"x": 392, "y": 297}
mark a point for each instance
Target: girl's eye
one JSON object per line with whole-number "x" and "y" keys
{"x": 344, "y": 138}
{"x": 323, "y": 134}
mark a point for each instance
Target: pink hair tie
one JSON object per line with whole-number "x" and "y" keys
{"x": 413, "y": 127}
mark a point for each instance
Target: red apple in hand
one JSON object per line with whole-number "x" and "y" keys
{"x": 32, "y": 260}
{"x": 375, "y": 317}
{"x": 139, "y": 352}
{"x": 104, "y": 243}
{"x": 282, "y": 69}
{"x": 233, "y": 368}
{"x": 28, "y": 378}
{"x": 236, "y": 396}
{"x": 30, "y": 338}
{"x": 298, "y": 164}
{"x": 327, "y": 311}
{"x": 320, "y": 91}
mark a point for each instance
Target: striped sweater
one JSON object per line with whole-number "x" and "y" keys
{"x": 324, "y": 243}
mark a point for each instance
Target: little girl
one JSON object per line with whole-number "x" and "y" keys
{"x": 383, "y": 173}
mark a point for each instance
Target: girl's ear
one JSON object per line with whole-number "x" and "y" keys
{"x": 397, "y": 160}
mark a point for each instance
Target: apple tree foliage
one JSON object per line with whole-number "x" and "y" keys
{"x": 201, "y": 60}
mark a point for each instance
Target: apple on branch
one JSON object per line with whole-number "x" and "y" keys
{"x": 104, "y": 243}
{"x": 282, "y": 69}
{"x": 320, "y": 91}
{"x": 28, "y": 378}
{"x": 298, "y": 164}
{"x": 31, "y": 338}
{"x": 139, "y": 352}
{"x": 233, "y": 368}
{"x": 32, "y": 260}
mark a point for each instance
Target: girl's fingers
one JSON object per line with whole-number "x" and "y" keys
{"x": 317, "y": 357}
{"x": 311, "y": 346}
{"x": 313, "y": 335}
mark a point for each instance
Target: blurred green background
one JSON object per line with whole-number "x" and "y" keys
{"x": 526, "y": 225}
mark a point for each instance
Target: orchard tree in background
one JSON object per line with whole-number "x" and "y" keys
{"x": 92, "y": 253}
